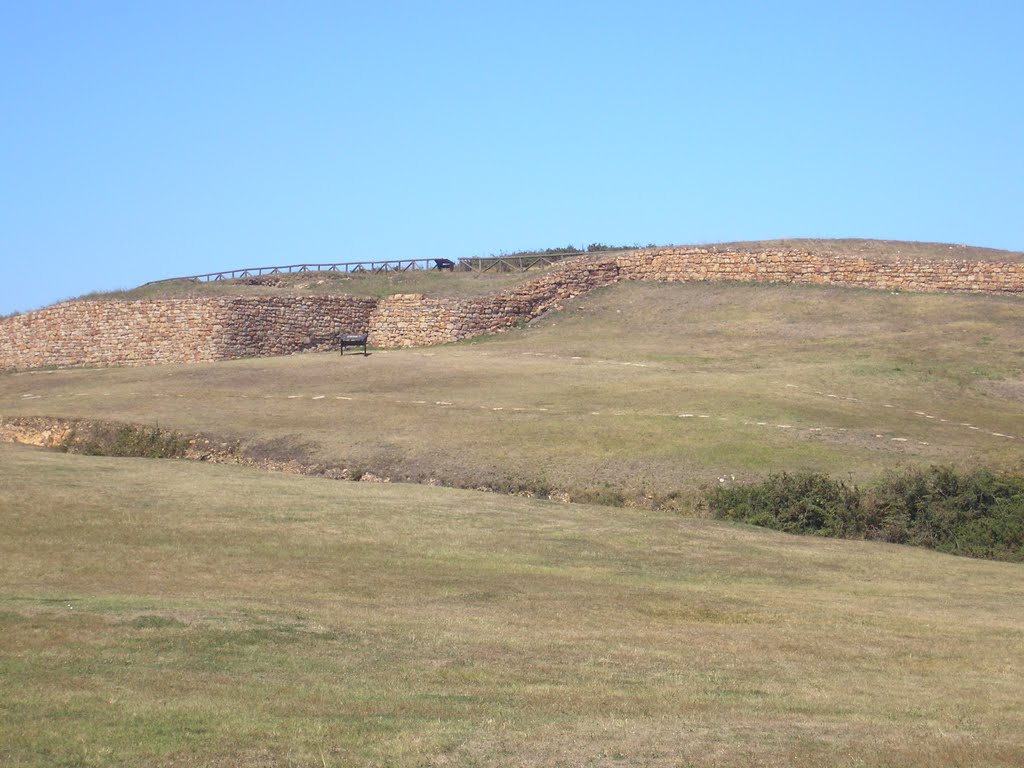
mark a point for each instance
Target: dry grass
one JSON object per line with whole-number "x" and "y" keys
{"x": 177, "y": 614}
{"x": 165, "y": 613}
{"x": 432, "y": 282}
{"x": 605, "y": 400}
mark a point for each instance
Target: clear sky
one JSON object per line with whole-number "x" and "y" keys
{"x": 142, "y": 140}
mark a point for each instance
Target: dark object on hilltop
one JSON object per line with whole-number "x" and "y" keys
{"x": 444, "y": 264}
{"x": 352, "y": 340}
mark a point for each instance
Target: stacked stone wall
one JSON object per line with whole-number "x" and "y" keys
{"x": 204, "y": 329}
{"x": 281, "y": 325}
{"x": 688, "y": 264}
{"x": 110, "y": 332}
{"x": 417, "y": 320}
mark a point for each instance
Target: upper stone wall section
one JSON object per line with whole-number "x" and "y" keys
{"x": 687, "y": 264}
{"x": 117, "y": 332}
{"x": 417, "y": 320}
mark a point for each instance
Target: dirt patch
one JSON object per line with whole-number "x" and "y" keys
{"x": 289, "y": 454}
{"x": 1008, "y": 390}
{"x": 104, "y": 438}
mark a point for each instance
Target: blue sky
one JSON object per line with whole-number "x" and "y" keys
{"x": 143, "y": 140}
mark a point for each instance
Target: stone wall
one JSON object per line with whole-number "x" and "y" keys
{"x": 177, "y": 330}
{"x": 203, "y": 329}
{"x": 261, "y": 327}
{"x": 417, "y": 320}
{"x": 687, "y": 264}
{"x": 110, "y": 333}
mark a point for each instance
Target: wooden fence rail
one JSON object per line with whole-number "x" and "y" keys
{"x": 517, "y": 263}
{"x": 511, "y": 263}
{"x": 393, "y": 265}
{"x": 525, "y": 261}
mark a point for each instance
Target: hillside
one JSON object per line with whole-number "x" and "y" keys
{"x": 179, "y": 614}
{"x": 638, "y": 393}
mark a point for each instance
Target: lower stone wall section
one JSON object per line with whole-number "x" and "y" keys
{"x": 262, "y": 327}
{"x": 111, "y": 333}
{"x": 100, "y": 333}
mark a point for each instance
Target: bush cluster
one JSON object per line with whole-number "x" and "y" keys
{"x": 127, "y": 440}
{"x": 976, "y": 514}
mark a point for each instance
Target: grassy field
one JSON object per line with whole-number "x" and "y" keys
{"x": 640, "y": 393}
{"x": 167, "y": 613}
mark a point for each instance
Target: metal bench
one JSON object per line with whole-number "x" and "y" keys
{"x": 353, "y": 340}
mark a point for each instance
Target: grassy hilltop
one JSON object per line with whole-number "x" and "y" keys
{"x": 173, "y": 613}
{"x": 464, "y": 283}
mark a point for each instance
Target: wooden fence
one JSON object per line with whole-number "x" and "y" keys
{"x": 393, "y": 265}
{"x": 516, "y": 263}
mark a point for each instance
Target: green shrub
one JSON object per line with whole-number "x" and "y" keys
{"x": 127, "y": 440}
{"x": 797, "y": 503}
{"x": 977, "y": 514}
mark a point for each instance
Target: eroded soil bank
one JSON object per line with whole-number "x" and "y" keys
{"x": 105, "y": 438}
